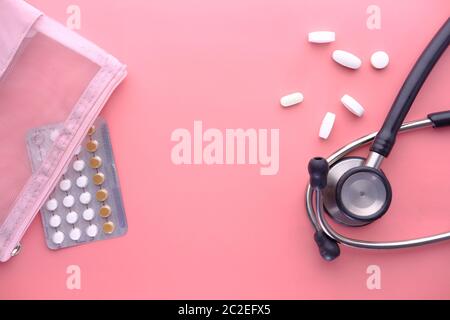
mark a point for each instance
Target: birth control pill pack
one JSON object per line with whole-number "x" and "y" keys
{"x": 86, "y": 204}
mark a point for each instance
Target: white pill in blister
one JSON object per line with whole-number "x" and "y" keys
{"x": 82, "y": 181}
{"x": 58, "y": 237}
{"x": 54, "y": 135}
{"x": 69, "y": 201}
{"x": 327, "y": 125}
{"x": 65, "y": 185}
{"x": 92, "y": 230}
{"x": 379, "y": 60}
{"x": 52, "y": 205}
{"x": 347, "y": 59}
{"x": 85, "y": 198}
{"x": 352, "y": 105}
{"x": 321, "y": 36}
{"x": 291, "y": 99}
{"x": 55, "y": 221}
{"x": 88, "y": 214}
{"x": 75, "y": 234}
{"x": 79, "y": 165}
{"x": 72, "y": 217}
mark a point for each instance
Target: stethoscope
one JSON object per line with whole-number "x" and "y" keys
{"x": 354, "y": 191}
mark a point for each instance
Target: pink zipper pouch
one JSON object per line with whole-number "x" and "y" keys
{"x": 48, "y": 74}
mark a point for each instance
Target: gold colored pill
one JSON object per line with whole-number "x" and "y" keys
{"x": 108, "y": 227}
{"x": 98, "y": 179}
{"x": 105, "y": 211}
{"x": 101, "y": 195}
{"x": 95, "y": 162}
{"x": 92, "y": 145}
{"x": 91, "y": 130}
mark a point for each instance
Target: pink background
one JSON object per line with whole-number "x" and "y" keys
{"x": 226, "y": 231}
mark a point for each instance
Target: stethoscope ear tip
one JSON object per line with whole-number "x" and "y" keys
{"x": 328, "y": 248}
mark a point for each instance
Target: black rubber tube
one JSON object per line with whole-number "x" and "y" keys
{"x": 385, "y": 139}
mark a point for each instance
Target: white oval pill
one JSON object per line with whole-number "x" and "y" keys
{"x": 85, "y": 198}
{"x": 68, "y": 201}
{"x": 82, "y": 181}
{"x": 92, "y": 230}
{"x": 352, "y": 105}
{"x": 88, "y": 214}
{"x": 52, "y": 204}
{"x": 321, "y": 36}
{"x": 347, "y": 59}
{"x": 79, "y": 165}
{"x": 55, "y": 221}
{"x": 379, "y": 60}
{"x": 72, "y": 217}
{"x": 291, "y": 99}
{"x": 75, "y": 234}
{"x": 58, "y": 237}
{"x": 65, "y": 185}
{"x": 327, "y": 125}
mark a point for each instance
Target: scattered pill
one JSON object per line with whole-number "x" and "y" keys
{"x": 85, "y": 198}
{"x": 352, "y": 105}
{"x": 91, "y": 131}
{"x": 327, "y": 125}
{"x": 58, "y": 237}
{"x": 68, "y": 201}
{"x": 55, "y": 221}
{"x": 92, "y": 146}
{"x": 88, "y": 214}
{"x": 321, "y": 36}
{"x": 95, "y": 162}
{"x": 105, "y": 211}
{"x": 108, "y": 227}
{"x": 79, "y": 165}
{"x": 98, "y": 179}
{"x": 82, "y": 182}
{"x": 92, "y": 230}
{"x": 52, "y": 204}
{"x": 379, "y": 60}
{"x": 65, "y": 185}
{"x": 291, "y": 99}
{"x": 346, "y": 59}
{"x": 101, "y": 195}
{"x": 54, "y": 135}
{"x": 75, "y": 234}
{"x": 72, "y": 217}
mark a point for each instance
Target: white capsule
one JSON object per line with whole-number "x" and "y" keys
{"x": 69, "y": 201}
{"x": 379, "y": 60}
{"x": 291, "y": 99}
{"x": 52, "y": 204}
{"x": 58, "y": 237}
{"x": 85, "y": 198}
{"x": 79, "y": 165}
{"x": 75, "y": 234}
{"x": 65, "y": 185}
{"x": 352, "y": 105}
{"x": 321, "y": 36}
{"x": 72, "y": 217}
{"x": 347, "y": 59}
{"x": 55, "y": 221}
{"x": 327, "y": 125}
{"x": 92, "y": 230}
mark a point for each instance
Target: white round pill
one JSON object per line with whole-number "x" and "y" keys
{"x": 52, "y": 204}
{"x": 291, "y": 99}
{"x": 72, "y": 217}
{"x": 92, "y": 230}
{"x": 88, "y": 214}
{"x": 54, "y": 135}
{"x": 65, "y": 185}
{"x": 327, "y": 125}
{"x": 79, "y": 165}
{"x": 85, "y": 198}
{"x": 75, "y": 234}
{"x": 82, "y": 181}
{"x": 321, "y": 36}
{"x": 346, "y": 59}
{"x": 352, "y": 105}
{"x": 55, "y": 221}
{"x": 69, "y": 201}
{"x": 379, "y": 60}
{"x": 58, "y": 237}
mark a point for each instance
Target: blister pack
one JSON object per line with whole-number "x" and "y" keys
{"x": 86, "y": 204}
